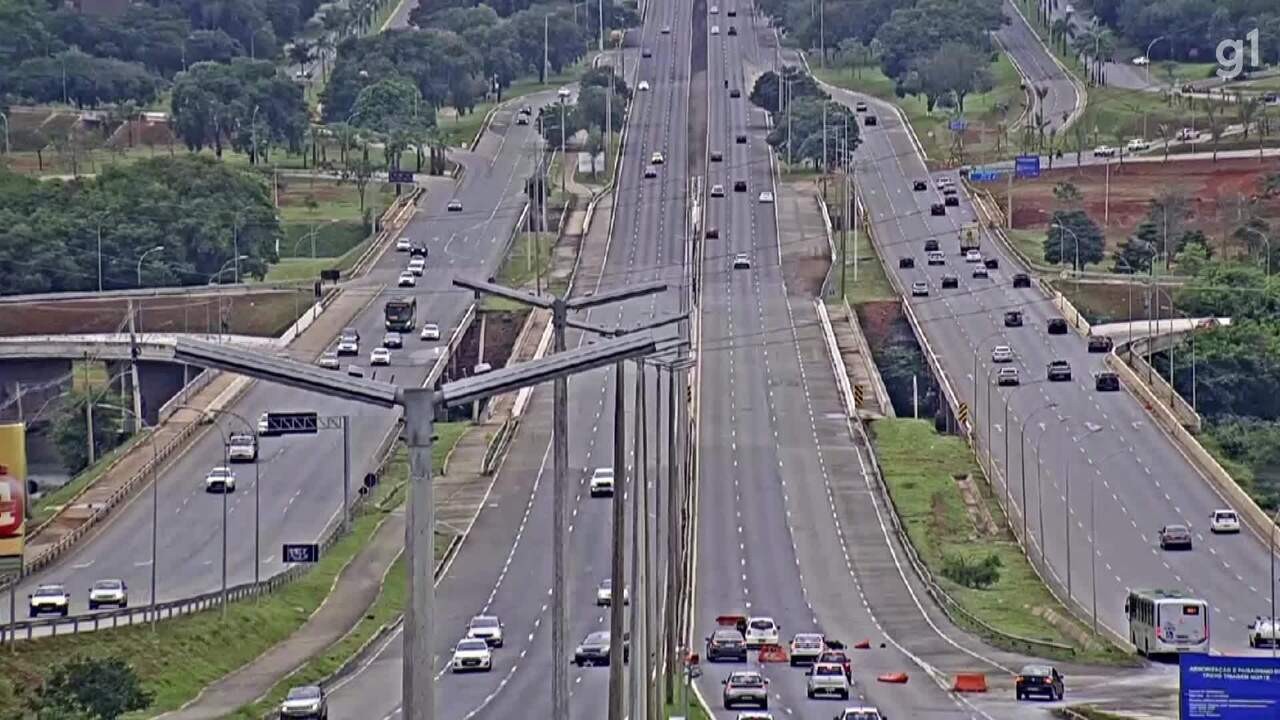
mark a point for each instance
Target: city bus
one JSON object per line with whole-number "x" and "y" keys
{"x": 1163, "y": 622}
{"x": 400, "y": 313}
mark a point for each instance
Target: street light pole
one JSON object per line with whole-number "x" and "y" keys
{"x": 157, "y": 248}
{"x": 1022, "y": 468}
{"x": 1040, "y": 489}
{"x": 617, "y": 583}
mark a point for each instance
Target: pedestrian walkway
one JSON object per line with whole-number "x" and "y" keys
{"x": 870, "y": 394}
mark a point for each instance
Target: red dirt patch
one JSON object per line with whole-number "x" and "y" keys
{"x": 266, "y": 314}
{"x": 1214, "y": 189}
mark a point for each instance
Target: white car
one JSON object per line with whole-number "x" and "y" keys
{"x": 935, "y": 257}
{"x": 1187, "y": 133}
{"x": 109, "y": 592}
{"x": 564, "y": 93}
{"x": 487, "y": 628}
{"x": 264, "y": 428}
{"x": 454, "y": 206}
{"x": 715, "y": 29}
{"x": 650, "y": 171}
{"x": 741, "y": 261}
{"x": 380, "y": 356}
{"x": 1138, "y": 145}
{"x": 430, "y": 331}
{"x": 49, "y": 599}
{"x": 604, "y": 593}
{"x": 1224, "y": 521}
{"x": 973, "y": 256}
{"x": 329, "y": 361}
{"x": 658, "y": 158}
{"x": 402, "y": 244}
{"x": 717, "y": 191}
{"x": 407, "y": 279}
{"x": 220, "y": 480}
{"x": 756, "y": 715}
{"x": 348, "y": 346}
{"x": 242, "y": 447}
{"x": 980, "y": 271}
{"x": 417, "y": 266}
{"x": 715, "y": 10}
{"x": 863, "y": 712}
{"x": 761, "y": 631}
{"x": 828, "y": 679}
{"x": 643, "y": 86}
{"x": 766, "y": 197}
{"x": 1002, "y": 354}
{"x": 1141, "y": 60}
{"x": 1264, "y": 632}
{"x": 666, "y": 29}
{"x": 1105, "y": 151}
{"x": 602, "y": 482}
{"x": 472, "y": 654}
{"x": 919, "y": 288}
{"x": 306, "y": 701}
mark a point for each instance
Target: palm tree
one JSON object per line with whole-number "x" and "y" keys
{"x": 1060, "y": 33}
{"x": 1246, "y": 111}
{"x": 300, "y": 53}
{"x": 1215, "y": 125}
{"x": 1166, "y": 134}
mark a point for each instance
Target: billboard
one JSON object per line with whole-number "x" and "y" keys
{"x": 1215, "y": 687}
{"x": 13, "y": 497}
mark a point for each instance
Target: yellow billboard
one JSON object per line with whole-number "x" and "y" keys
{"x": 13, "y": 496}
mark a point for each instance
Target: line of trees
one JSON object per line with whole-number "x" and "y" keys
{"x": 200, "y": 211}
{"x": 798, "y": 116}
{"x": 245, "y": 103}
{"x": 1192, "y": 29}
{"x": 54, "y": 53}
{"x": 940, "y": 50}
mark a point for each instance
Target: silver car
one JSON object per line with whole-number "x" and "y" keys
{"x": 108, "y": 592}
{"x": 828, "y": 679}
{"x": 746, "y": 687}
{"x": 1002, "y": 354}
{"x": 307, "y": 701}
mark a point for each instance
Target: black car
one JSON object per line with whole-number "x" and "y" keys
{"x": 735, "y": 93}
{"x": 726, "y": 644}
{"x": 733, "y": 30}
{"x": 739, "y": 185}
{"x": 740, "y": 139}
{"x": 646, "y": 53}
{"x": 950, "y": 282}
{"x": 1058, "y": 371}
{"x": 906, "y": 262}
{"x": 713, "y": 233}
{"x": 417, "y": 250}
{"x": 937, "y": 209}
{"x": 1043, "y": 680}
{"x": 1057, "y": 326}
{"x": 717, "y": 156}
{"x": 733, "y": 13}
{"x": 860, "y": 107}
{"x": 1021, "y": 280}
{"x": 594, "y": 649}
{"x": 992, "y": 263}
{"x": 1013, "y": 318}
{"x": 951, "y": 201}
{"x": 919, "y": 185}
{"x": 869, "y": 120}
{"x": 1106, "y": 381}
{"x": 1100, "y": 344}
{"x": 931, "y": 246}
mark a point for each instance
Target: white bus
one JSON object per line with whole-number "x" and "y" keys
{"x": 1165, "y": 622}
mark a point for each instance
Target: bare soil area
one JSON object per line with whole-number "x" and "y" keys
{"x": 265, "y": 314}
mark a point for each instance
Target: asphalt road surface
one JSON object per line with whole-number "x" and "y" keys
{"x": 503, "y": 567}
{"x": 1104, "y": 442}
{"x": 301, "y": 476}
{"x": 1040, "y": 68}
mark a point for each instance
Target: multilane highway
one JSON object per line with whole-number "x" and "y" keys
{"x": 301, "y": 476}
{"x": 503, "y": 567}
{"x": 1104, "y": 442}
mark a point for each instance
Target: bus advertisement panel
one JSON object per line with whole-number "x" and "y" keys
{"x": 1218, "y": 687}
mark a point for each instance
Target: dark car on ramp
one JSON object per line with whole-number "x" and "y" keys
{"x": 1042, "y": 680}
{"x": 726, "y": 644}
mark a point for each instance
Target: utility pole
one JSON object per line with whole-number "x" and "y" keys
{"x": 618, "y": 587}
{"x": 559, "y": 308}
{"x": 133, "y": 368}
{"x": 637, "y": 673}
{"x": 673, "y": 531}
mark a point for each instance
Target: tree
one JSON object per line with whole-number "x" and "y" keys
{"x": 1134, "y": 255}
{"x": 71, "y": 431}
{"x": 1073, "y": 236}
{"x": 594, "y": 146}
{"x": 300, "y": 53}
{"x": 770, "y": 92}
{"x": 956, "y": 70}
{"x": 1067, "y": 195}
{"x": 388, "y": 104}
{"x": 99, "y": 688}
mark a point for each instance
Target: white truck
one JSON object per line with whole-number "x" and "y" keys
{"x": 1263, "y": 632}
{"x": 970, "y": 237}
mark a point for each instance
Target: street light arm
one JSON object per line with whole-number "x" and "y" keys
{"x": 619, "y": 295}
{"x": 488, "y": 288}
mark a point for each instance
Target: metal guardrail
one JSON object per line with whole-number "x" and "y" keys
{"x": 493, "y": 451}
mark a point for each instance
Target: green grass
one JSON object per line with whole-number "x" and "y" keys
{"x": 872, "y": 283}
{"x": 1268, "y": 83}
{"x": 461, "y": 130}
{"x": 331, "y": 212}
{"x": 919, "y": 468}
{"x": 693, "y": 711}
{"x": 981, "y": 110}
{"x": 88, "y": 374}
{"x": 312, "y": 202}
{"x": 49, "y": 504}
{"x": 186, "y": 654}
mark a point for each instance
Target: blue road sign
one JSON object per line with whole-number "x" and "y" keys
{"x": 1214, "y": 687}
{"x": 1027, "y": 166}
{"x": 400, "y": 176}
{"x": 984, "y": 175}
{"x": 958, "y": 125}
{"x": 300, "y": 553}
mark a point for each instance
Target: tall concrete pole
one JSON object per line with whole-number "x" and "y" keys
{"x": 673, "y": 534}
{"x": 559, "y": 578}
{"x": 617, "y": 602}
{"x": 637, "y": 676}
{"x": 418, "y": 673}
{"x": 650, "y": 563}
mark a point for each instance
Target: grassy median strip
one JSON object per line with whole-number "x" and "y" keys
{"x": 958, "y": 529}
{"x": 185, "y": 654}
